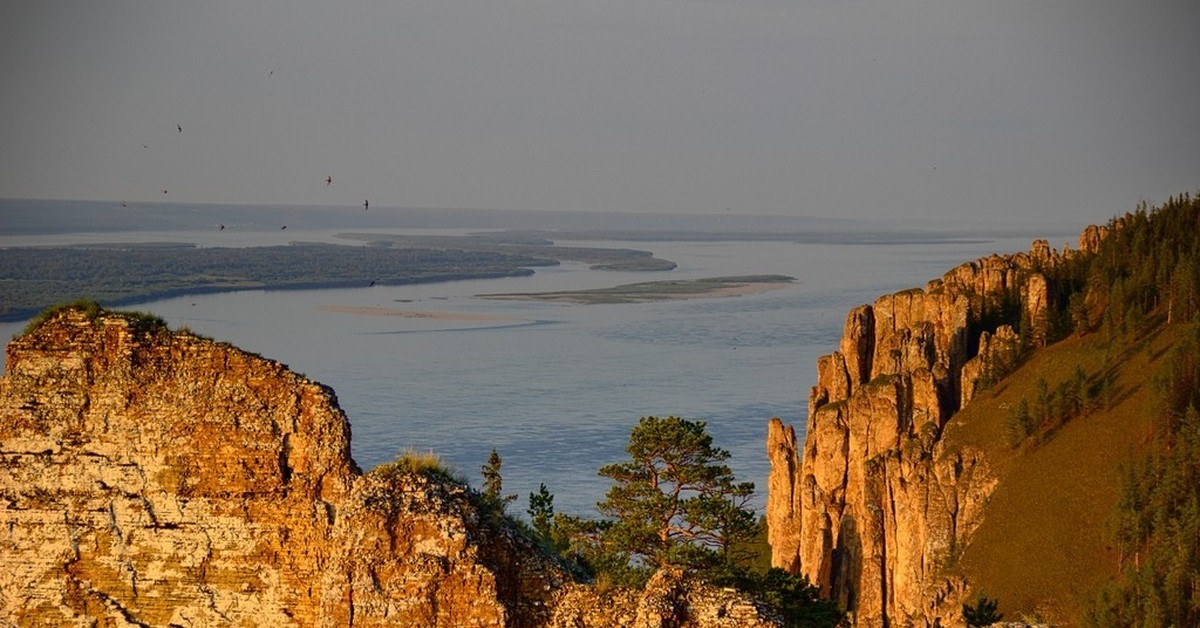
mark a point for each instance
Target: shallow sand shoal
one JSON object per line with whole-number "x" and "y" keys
{"x": 362, "y": 310}
{"x": 739, "y": 290}
{"x": 730, "y": 290}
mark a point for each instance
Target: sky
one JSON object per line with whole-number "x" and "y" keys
{"x": 1014, "y": 110}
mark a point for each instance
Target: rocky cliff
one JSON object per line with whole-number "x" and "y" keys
{"x": 872, "y": 504}
{"x": 150, "y": 477}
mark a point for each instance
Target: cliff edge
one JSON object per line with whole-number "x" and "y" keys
{"x": 157, "y": 478}
{"x": 151, "y": 477}
{"x": 873, "y": 504}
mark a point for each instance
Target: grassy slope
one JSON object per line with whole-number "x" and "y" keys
{"x": 1041, "y": 548}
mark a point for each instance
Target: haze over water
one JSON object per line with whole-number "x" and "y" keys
{"x": 554, "y": 387}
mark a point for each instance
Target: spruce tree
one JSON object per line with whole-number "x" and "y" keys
{"x": 982, "y": 612}
{"x": 541, "y": 512}
{"x": 493, "y": 483}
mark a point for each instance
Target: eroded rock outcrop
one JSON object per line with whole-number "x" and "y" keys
{"x": 150, "y": 477}
{"x": 157, "y": 478}
{"x": 669, "y": 599}
{"x": 872, "y": 503}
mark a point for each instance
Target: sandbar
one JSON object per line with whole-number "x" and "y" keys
{"x": 670, "y": 290}
{"x": 362, "y": 310}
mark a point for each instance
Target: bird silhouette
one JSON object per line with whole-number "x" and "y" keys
{"x": 366, "y": 204}
{"x": 180, "y": 127}
{"x": 164, "y": 191}
{"x": 328, "y": 180}
{"x": 371, "y": 284}
{"x": 221, "y": 228}
{"x": 283, "y": 227}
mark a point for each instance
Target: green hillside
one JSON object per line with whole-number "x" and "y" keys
{"x": 1095, "y": 519}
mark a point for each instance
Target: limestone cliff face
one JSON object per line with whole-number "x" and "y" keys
{"x": 152, "y": 478}
{"x": 157, "y": 478}
{"x": 872, "y": 503}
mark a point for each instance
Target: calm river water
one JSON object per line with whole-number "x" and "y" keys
{"x": 556, "y": 388}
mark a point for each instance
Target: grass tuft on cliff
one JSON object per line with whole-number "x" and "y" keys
{"x": 90, "y": 309}
{"x": 142, "y": 322}
{"x": 425, "y": 463}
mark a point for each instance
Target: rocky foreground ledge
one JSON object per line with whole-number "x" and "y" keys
{"x": 151, "y": 477}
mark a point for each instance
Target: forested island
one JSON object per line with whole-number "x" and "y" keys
{"x": 33, "y": 278}
{"x": 522, "y": 244}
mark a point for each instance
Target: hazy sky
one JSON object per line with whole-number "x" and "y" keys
{"x": 1030, "y": 109}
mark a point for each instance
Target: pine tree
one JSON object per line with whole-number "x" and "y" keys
{"x": 1041, "y": 408}
{"x": 675, "y": 502}
{"x": 1018, "y": 424}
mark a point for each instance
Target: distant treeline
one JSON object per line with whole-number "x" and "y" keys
{"x": 524, "y": 245}
{"x": 34, "y": 278}
{"x": 1146, "y": 272}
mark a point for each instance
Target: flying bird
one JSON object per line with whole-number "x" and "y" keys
{"x": 328, "y": 180}
{"x": 221, "y": 228}
{"x": 366, "y": 204}
{"x": 180, "y": 127}
{"x": 371, "y": 284}
{"x": 283, "y": 227}
{"x": 164, "y": 191}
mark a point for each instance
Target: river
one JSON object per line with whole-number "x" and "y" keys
{"x": 555, "y": 388}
